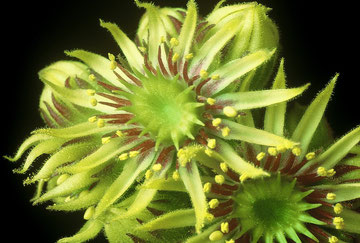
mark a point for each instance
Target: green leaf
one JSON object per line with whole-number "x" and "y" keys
{"x": 233, "y": 70}
{"x": 132, "y": 169}
{"x": 131, "y": 52}
{"x": 344, "y": 192}
{"x": 312, "y": 117}
{"x": 275, "y": 114}
{"x": 90, "y": 229}
{"x": 253, "y": 135}
{"x": 226, "y": 153}
{"x": 337, "y": 151}
{"x": 192, "y": 181}
{"x": 175, "y": 219}
{"x": 257, "y": 99}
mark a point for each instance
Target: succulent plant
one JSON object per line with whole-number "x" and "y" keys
{"x": 159, "y": 143}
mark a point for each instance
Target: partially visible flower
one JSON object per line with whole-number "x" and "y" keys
{"x": 116, "y": 122}
{"x": 309, "y": 195}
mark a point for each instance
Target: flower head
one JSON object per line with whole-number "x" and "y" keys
{"x": 171, "y": 112}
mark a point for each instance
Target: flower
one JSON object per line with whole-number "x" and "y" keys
{"x": 310, "y": 194}
{"x": 175, "y": 100}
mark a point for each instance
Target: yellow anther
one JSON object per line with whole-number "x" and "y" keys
{"x": 105, "y": 140}
{"x": 216, "y": 235}
{"x": 225, "y": 131}
{"x": 62, "y": 178}
{"x": 92, "y": 119}
{"x": 113, "y": 65}
{"x": 189, "y": 56}
{"x": 330, "y": 173}
{"x": 175, "y": 57}
{"x": 176, "y": 175}
{"x": 243, "y": 177}
{"x": 211, "y": 143}
{"x": 142, "y": 49}
{"x": 331, "y": 196}
{"x": 203, "y": 73}
{"x": 157, "y": 167}
{"x": 229, "y": 111}
{"x": 133, "y": 154}
{"x": 208, "y": 152}
{"x": 100, "y": 123}
{"x": 174, "y": 42}
{"x": 92, "y": 77}
{"x": 90, "y": 92}
{"x": 260, "y": 156}
{"x": 321, "y": 171}
{"x": 123, "y": 156}
{"x": 213, "y": 203}
{"x": 207, "y": 187}
{"x": 230, "y": 241}
{"x": 310, "y": 156}
{"x": 89, "y": 213}
{"x": 219, "y": 179}
{"x": 148, "y": 174}
{"x": 93, "y": 101}
{"x": 333, "y": 239}
{"x": 338, "y": 222}
{"x": 119, "y": 133}
{"x": 224, "y": 167}
{"x": 68, "y": 199}
{"x": 224, "y": 227}
{"x": 338, "y": 208}
{"x": 216, "y": 122}
{"x": 272, "y": 151}
{"x": 281, "y": 148}
{"x": 210, "y": 217}
{"x": 215, "y": 77}
{"x": 111, "y": 57}
{"x": 186, "y": 154}
{"x": 210, "y": 101}
{"x": 296, "y": 151}
{"x": 162, "y": 39}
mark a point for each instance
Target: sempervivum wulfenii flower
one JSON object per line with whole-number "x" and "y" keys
{"x": 309, "y": 193}
{"x": 168, "y": 112}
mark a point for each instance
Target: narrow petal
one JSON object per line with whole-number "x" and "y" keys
{"x": 166, "y": 185}
{"x": 275, "y": 114}
{"x": 99, "y": 64}
{"x": 337, "y": 151}
{"x": 175, "y": 219}
{"x": 192, "y": 181}
{"x": 71, "y": 184}
{"x": 257, "y": 99}
{"x": 129, "y": 174}
{"x": 253, "y": 135}
{"x": 131, "y": 52}
{"x": 344, "y": 192}
{"x": 312, "y": 117}
{"x": 90, "y": 229}
{"x": 32, "y": 140}
{"x": 44, "y": 147}
{"x": 233, "y": 70}
{"x": 230, "y": 156}
{"x": 106, "y": 152}
{"x": 188, "y": 30}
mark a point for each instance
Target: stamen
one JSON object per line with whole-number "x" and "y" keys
{"x": 133, "y": 154}
{"x": 92, "y": 119}
{"x": 200, "y": 85}
{"x": 224, "y": 167}
{"x": 333, "y": 239}
{"x": 216, "y": 235}
{"x": 339, "y": 223}
{"x": 338, "y": 208}
{"x": 211, "y": 101}
{"x": 123, "y": 156}
{"x": 211, "y": 143}
{"x": 230, "y": 111}
{"x": 224, "y": 227}
{"x": 216, "y": 122}
{"x": 161, "y": 64}
{"x": 148, "y": 174}
{"x": 130, "y": 76}
{"x": 157, "y": 167}
{"x": 331, "y": 196}
{"x": 174, "y": 42}
{"x": 321, "y": 171}
{"x": 215, "y": 77}
{"x": 310, "y": 156}
{"x": 100, "y": 123}
{"x": 260, "y": 156}
{"x": 213, "y": 203}
{"x": 92, "y": 77}
{"x": 93, "y": 101}
{"x": 219, "y": 179}
{"x": 105, "y": 140}
{"x": 296, "y": 151}
{"x": 272, "y": 151}
{"x": 207, "y": 187}
{"x": 203, "y": 73}
{"x": 90, "y": 92}
{"x": 225, "y": 131}
{"x": 176, "y": 175}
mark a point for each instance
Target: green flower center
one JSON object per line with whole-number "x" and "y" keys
{"x": 273, "y": 207}
{"x": 167, "y": 109}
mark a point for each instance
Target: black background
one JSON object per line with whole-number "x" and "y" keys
{"x": 319, "y": 38}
